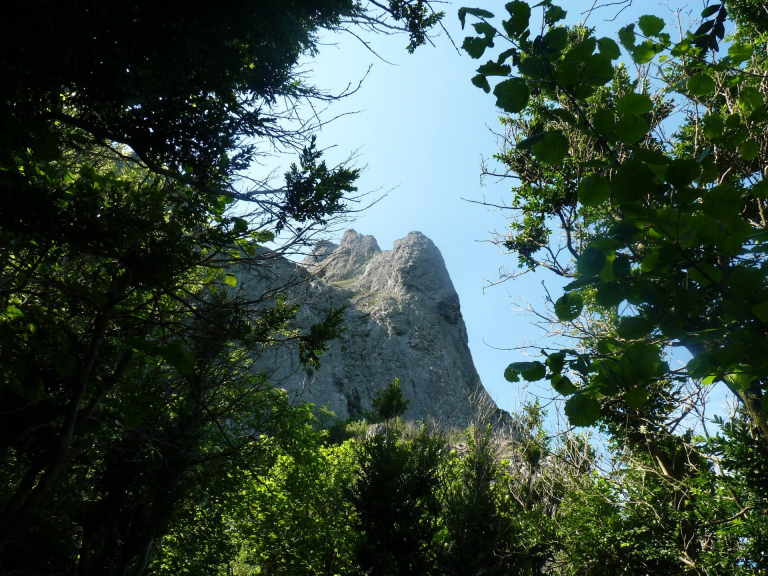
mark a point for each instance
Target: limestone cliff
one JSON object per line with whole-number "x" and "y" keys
{"x": 403, "y": 320}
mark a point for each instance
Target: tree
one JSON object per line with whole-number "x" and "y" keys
{"x": 655, "y": 180}
{"x": 126, "y": 349}
{"x": 395, "y": 499}
{"x": 388, "y": 403}
{"x": 663, "y": 234}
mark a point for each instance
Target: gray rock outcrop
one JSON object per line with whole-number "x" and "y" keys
{"x": 402, "y": 318}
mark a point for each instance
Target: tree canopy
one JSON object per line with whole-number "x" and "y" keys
{"x": 654, "y": 179}
{"x": 128, "y": 354}
{"x": 638, "y": 162}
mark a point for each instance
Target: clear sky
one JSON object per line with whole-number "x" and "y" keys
{"x": 422, "y": 129}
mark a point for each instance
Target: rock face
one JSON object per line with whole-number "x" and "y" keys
{"x": 402, "y": 319}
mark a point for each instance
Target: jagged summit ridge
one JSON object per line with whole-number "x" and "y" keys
{"x": 403, "y": 319}
{"x": 345, "y": 260}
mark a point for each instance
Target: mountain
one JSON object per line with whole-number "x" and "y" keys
{"x": 403, "y": 320}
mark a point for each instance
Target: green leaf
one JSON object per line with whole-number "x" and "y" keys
{"x": 609, "y": 48}
{"x": 565, "y": 116}
{"x": 511, "y": 374}
{"x": 240, "y": 226}
{"x": 12, "y": 312}
{"x": 556, "y": 362}
{"x": 486, "y": 30}
{"x": 760, "y": 190}
{"x": 650, "y": 25}
{"x": 554, "y": 14}
{"x": 739, "y": 379}
{"x": 610, "y": 294}
{"x": 630, "y": 129}
{"x": 591, "y": 262}
{"x": 520, "y": 14}
{"x": 761, "y": 311}
{"x": 180, "y": 359}
{"x": 641, "y": 361}
{"x": 745, "y": 281}
{"x": 709, "y": 10}
{"x": 637, "y": 397}
{"x": 530, "y": 371}
{"x": 568, "y": 307}
{"x": 740, "y": 52}
{"x": 634, "y": 327}
{"x": 475, "y": 47}
{"x": 633, "y": 104}
{"x": 650, "y": 156}
{"x": 701, "y": 85}
{"x": 627, "y": 37}
{"x": 553, "y": 149}
{"x": 649, "y": 262}
{"x": 534, "y": 374}
{"x": 594, "y": 190}
{"x": 644, "y": 53}
{"x": 479, "y": 12}
{"x": 713, "y": 125}
{"x": 759, "y": 114}
{"x": 131, "y": 418}
{"x": 491, "y": 68}
{"x": 632, "y": 181}
{"x": 554, "y": 42}
{"x": 512, "y": 95}
{"x": 604, "y": 121}
{"x": 703, "y": 274}
{"x": 736, "y": 140}
{"x": 528, "y": 143}
{"x": 563, "y": 385}
{"x": 481, "y": 82}
{"x": 621, "y": 266}
{"x": 230, "y": 279}
{"x": 580, "y": 283}
{"x": 582, "y": 410}
{"x": 749, "y": 150}
{"x": 721, "y": 200}
{"x": 681, "y": 172}
{"x": 597, "y": 71}
{"x": 750, "y": 98}
{"x": 733, "y": 121}
{"x": 533, "y": 66}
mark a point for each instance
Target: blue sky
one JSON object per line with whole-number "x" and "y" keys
{"x": 421, "y": 130}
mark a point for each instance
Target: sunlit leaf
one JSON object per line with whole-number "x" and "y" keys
{"x": 650, "y": 25}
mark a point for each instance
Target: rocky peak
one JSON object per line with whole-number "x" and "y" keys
{"x": 413, "y": 265}
{"x": 403, "y": 320}
{"x": 347, "y": 260}
{"x": 320, "y": 252}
